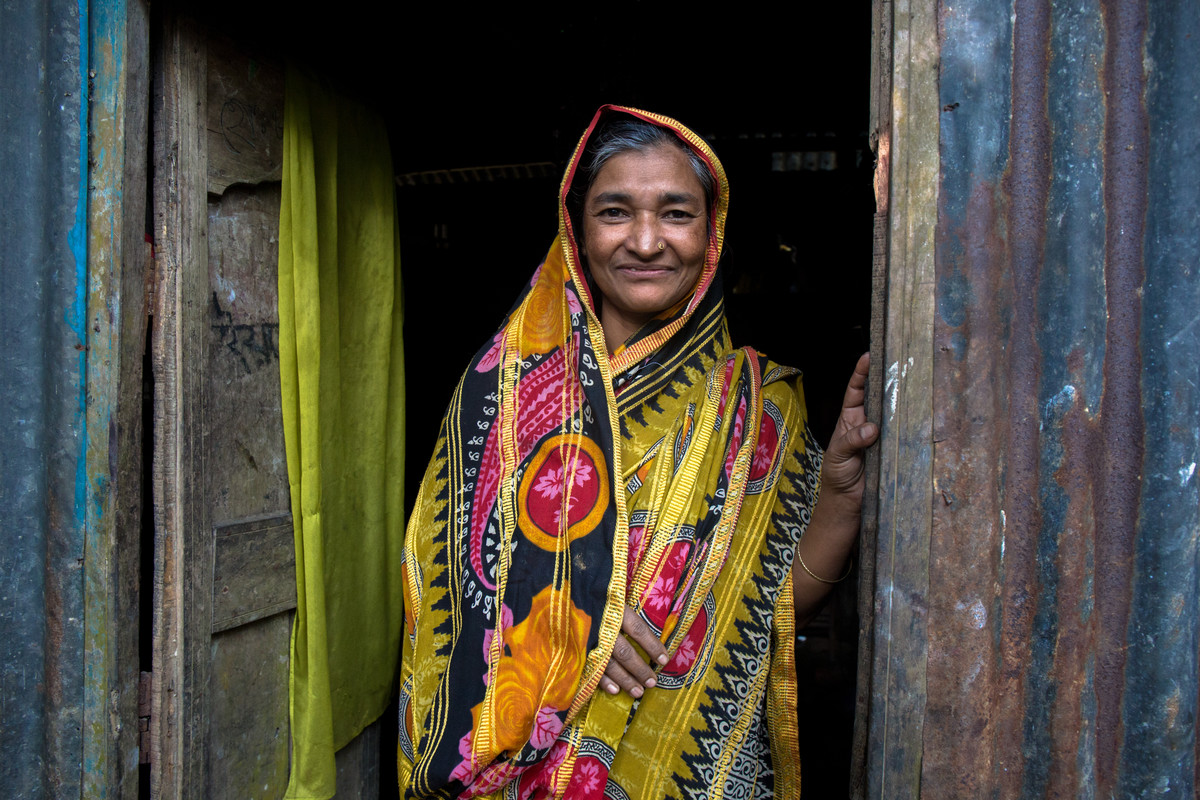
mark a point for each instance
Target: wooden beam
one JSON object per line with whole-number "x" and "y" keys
{"x": 183, "y": 533}
{"x": 908, "y": 140}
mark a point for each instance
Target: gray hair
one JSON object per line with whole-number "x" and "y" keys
{"x": 624, "y": 136}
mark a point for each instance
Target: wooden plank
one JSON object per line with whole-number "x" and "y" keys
{"x": 245, "y": 117}
{"x": 881, "y": 95}
{"x": 254, "y": 571}
{"x": 248, "y": 711}
{"x": 116, "y": 342}
{"x": 897, "y": 702}
{"x": 358, "y": 765}
{"x": 183, "y": 534}
{"x": 248, "y": 470}
{"x": 128, "y": 498}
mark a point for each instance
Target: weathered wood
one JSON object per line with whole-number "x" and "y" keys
{"x": 116, "y": 342}
{"x": 183, "y": 533}
{"x": 358, "y": 765}
{"x": 254, "y": 571}
{"x": 245, "y": 117}
{"x": 897, "y": 702}
{"x": 248, "y": 722}
{"x": 881, "y": 95}
{"x": 248, "y": 470}
{"x": 128, "y": 498}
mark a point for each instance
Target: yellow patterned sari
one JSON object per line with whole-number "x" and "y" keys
{"x": 675, "y": 477}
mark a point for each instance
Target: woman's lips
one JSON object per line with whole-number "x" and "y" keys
{"x": 645, "y": 269}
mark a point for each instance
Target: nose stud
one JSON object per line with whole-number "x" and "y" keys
{"x": 661, "y": 245}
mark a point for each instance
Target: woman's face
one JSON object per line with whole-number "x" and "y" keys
{"x": 637, "y": 201}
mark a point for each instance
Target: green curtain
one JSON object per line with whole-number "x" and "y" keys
{"x": 342, "y": 371}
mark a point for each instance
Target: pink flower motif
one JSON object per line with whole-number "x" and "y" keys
{"x": 558, "y": 511}
{"x": 686, "y": 654}
{"x": 661, "y": 593}
{"x": 550, "y": 484}
{"x": 573, "y": 303}
{"x": 589, "y": 778}
{"x": 492, "y": 357}
{"x": 545, "y": 728}
{"x": 637, "y": 539}
{"x": 763, "y": 455}
{"x": 465, "y": 770}
{"x": 679, "y": 557}
{"x": 581, "y": 474}
{"x": 537, "y": 780}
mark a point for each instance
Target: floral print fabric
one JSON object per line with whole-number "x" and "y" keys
{"x": 674, "y": 477}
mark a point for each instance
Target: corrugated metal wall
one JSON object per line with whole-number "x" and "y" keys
{"x": 43, "y": 226}
{"x": 1055, "y": 604}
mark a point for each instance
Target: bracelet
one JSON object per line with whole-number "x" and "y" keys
{"x": 818, "y": 577}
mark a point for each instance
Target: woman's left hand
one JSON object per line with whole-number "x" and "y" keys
{"x": 842, "y": 471}
{"x": 626, "y": 669}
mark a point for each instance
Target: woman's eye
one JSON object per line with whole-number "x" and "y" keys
{"x": 679, "y": 213}
{"x": 612, "y": 213}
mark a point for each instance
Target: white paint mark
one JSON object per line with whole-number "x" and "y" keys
{"x": 226, "y": 288}
{"x": 1186, "y": 473}
{"x": 891, "y": 388}
{"x": 1003, "y": 527}
{"x": 976, "y": 611}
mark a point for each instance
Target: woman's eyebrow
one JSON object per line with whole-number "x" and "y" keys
{"x": 610, "y": 197}
{"x": 666, "y": 198}
{"x": 672, "y": 198}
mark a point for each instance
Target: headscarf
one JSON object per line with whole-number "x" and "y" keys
{"x": 675, "y": 477}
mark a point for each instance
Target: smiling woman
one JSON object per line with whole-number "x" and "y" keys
{"x": 611, "y": 472}
{"x": 645, "y": 230}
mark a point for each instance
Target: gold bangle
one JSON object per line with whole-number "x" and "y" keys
{"x": 817, "y": 577}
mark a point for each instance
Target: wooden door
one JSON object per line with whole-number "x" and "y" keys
{"x": 225, "y": 590}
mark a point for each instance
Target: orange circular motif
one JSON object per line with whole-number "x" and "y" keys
{"x": 549, "y": 489}
{"x": 541, "y": 322}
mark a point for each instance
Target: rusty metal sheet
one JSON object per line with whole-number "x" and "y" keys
{"x": 1063, "y": 638}
{"x": 43, "y": 483}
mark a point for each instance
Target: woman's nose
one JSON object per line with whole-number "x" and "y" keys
{"x": 644, "y": 238}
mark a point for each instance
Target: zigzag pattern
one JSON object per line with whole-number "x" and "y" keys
{"x": 751, "y": 774}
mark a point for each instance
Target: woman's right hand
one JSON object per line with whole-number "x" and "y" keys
{"x": 626, "y": 669}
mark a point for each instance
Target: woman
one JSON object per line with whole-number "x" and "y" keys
{"x": 612, "y": 470}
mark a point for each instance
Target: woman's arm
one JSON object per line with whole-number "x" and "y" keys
{"x": 823, "y": 551}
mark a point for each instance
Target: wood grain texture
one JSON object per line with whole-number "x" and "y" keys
{"x": 183, "y": 540}
{"x": 244, "y": 117}
{"x": 897, "y": 702}
{"x": 881, "y": 96}
{"x": 116, "y": 342}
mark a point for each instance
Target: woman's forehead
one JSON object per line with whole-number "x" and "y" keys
{"x": 664, "y": 169}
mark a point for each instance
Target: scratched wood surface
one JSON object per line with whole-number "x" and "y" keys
{"x": 897, "y": 699}
{"x": 253, "y": 587}
{"x": 182, "y": 541}
{"x": 881, "y": 134}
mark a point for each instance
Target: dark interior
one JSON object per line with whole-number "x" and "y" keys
{"x": 780, "y": 93}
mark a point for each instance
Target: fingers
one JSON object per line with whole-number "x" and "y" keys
{"x": 644, "y": 636}
{"x": 617, "y": 677}
{"x": 853, "y": 440}
{"x": 857, "y": 385}
{"x": 627, "y": 669}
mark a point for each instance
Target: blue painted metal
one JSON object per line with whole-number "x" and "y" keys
{"x": 1064, "y": 643}
{"x": 43, "y": 488}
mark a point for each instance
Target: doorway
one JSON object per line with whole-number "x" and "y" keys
{"x": 484, "y": 110}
